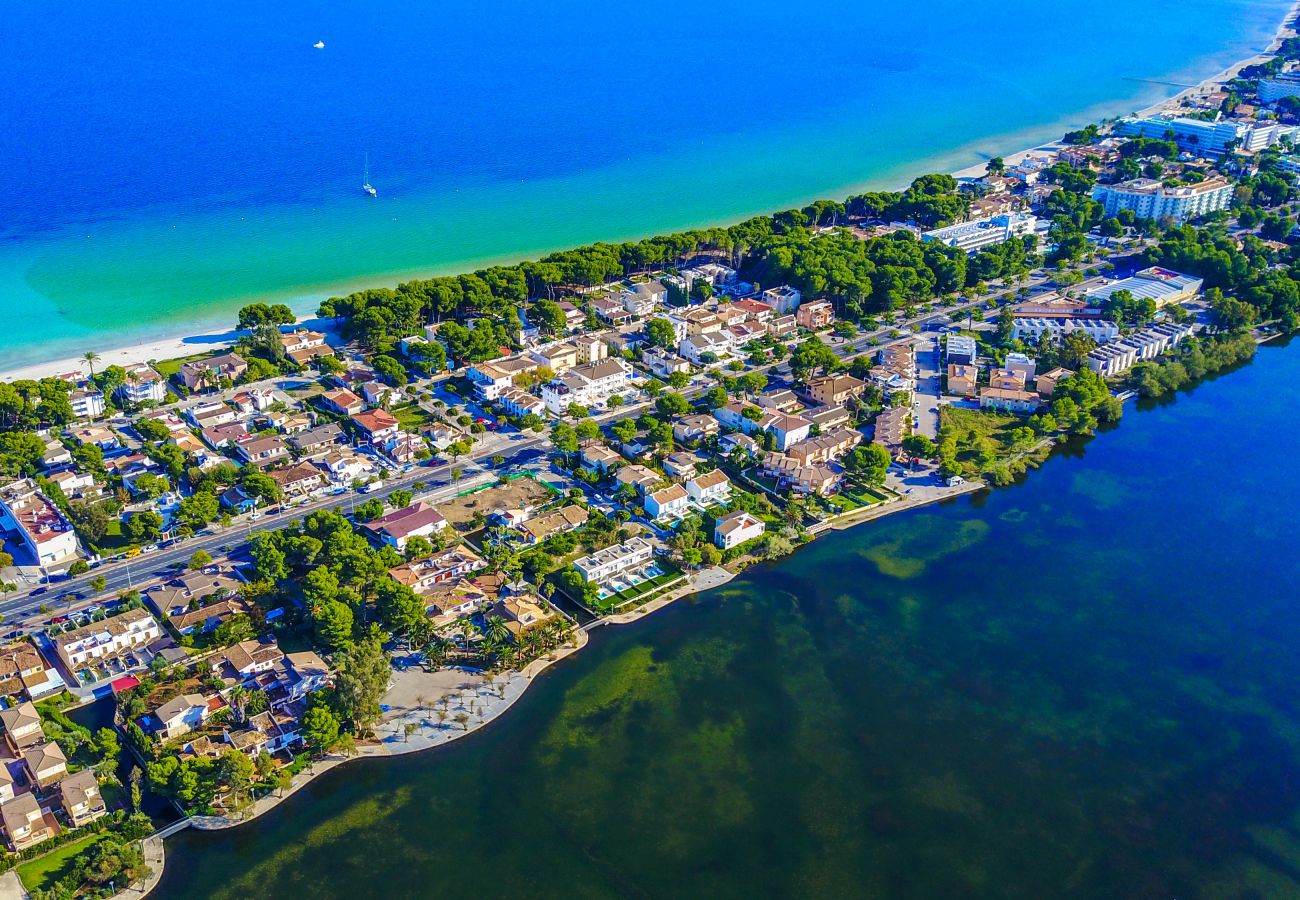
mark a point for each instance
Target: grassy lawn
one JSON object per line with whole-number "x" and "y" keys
{"x": 962, "y": 422}
{"x": 844, "y": 502}
{"x": 169, "y": 367}
{"x": 43, "y": 872}
{"x": 411, "y": 416}
{"x": 856, "y": 496}
{"x": 113, "y": 541}
{"x": 637, "y": 594}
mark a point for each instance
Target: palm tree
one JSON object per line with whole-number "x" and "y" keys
{"x": 466, "y": 629}
{"x": 90, "y": 357}
{"x": 495, "y": 628}
{"x": 238, "y": 701}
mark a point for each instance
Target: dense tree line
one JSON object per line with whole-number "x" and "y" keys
{"x": 479, "y": 309}
{"x": 1247, "y": 273}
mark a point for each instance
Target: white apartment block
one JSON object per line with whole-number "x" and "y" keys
{"x": 1203, "y": 138}
{"x": 491, "y": 378}
{"x": 107, "y": 639}
{"x": 612, "y": 561}
{"x": 662, "y": 363}
{"x": 87, "y": 402}
{"x": 695, "y": 347}
{"x": 1031, "y": 330}
{"x": 142, "y": 385}
{"x": 1150, "y": 199}
{"x": 979, "y": 233}
{"x": 516, "y": 402}
{"x": 589, "y": 385}
{"x": 1272, "y": 90}
{"x": 37, "y": 522}
{"x": 1119, "y": 357}
{"x": 784, "y": 299}
{"x": 643, "y": 299}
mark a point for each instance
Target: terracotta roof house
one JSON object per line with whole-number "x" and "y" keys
{"x": 422, "y": 575}
{"x": 22, "y": 724}
{"x": 203, "y": 374}
{"x": 298, "y": 479}
{"x": 81, "y": 799}
{"x": 45, "y": 763}
{"x": 22, "y": 671}
{"x": 538, "y": 529}
{"x": 521, "y": 613}
{"x": 399, "y": 526}
{"x": 24, "y": 823}
{"x": 376, "y": 424}
{"x": 342, "y": 401}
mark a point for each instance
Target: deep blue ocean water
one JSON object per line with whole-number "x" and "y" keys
{"x": 160, "y": 165}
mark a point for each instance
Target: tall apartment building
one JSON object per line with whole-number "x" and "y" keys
{"x": 1150, "y": 199}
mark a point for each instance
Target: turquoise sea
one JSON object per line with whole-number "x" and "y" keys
{"x": 1083, "y": 686}
{"x": 160, "y": 165}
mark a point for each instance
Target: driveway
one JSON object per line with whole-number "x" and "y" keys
{"x": 925, "y": 399}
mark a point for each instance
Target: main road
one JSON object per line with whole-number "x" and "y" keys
{"x": 125, "y": 574}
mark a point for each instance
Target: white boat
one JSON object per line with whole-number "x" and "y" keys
{"x": 365, "y": 180}
{"x": 319, "y": 45}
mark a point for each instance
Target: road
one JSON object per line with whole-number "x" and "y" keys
{"x": 925, "y": 399}
{"x": 130, "y": 573}
{"x": 126, "y": 574}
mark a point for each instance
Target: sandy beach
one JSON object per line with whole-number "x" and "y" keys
{"x": 187, "y": 345}
{"x": 148, "y": 352}
{"x": 166, "y": 348}
{"x": 1207, "y": 86}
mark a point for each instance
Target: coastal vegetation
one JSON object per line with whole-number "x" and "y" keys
{"x": 331, "y": 587}
{"x": 1193, "y": 361}
{"x": 999, "y": 447}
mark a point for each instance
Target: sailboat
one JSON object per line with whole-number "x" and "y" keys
{"x": 365, "y": 180}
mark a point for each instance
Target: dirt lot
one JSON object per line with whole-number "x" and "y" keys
{"x": 517, "y": 494}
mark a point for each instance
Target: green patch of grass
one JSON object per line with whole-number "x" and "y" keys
{"x": 844, "y": 502}
{"x": 961, "y": 422}
{"x": 169, "y": 367}
{"x": 42, "y": 873}
{"x": 411, "y": 416}
{"x": 114, "y": 540}
{"x": 645, "y": 590}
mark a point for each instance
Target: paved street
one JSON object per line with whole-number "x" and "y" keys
{"x": 124, "y": 574}
{"x": 929, "y": 386}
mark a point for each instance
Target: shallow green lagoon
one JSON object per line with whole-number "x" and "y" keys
{"x": 1083, "y": 686}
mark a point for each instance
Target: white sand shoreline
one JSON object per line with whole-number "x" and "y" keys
{"x": 161, "y": 348}
{"x": 1206, "y": 85}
